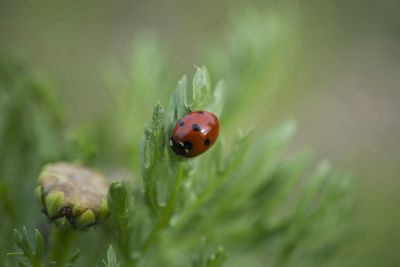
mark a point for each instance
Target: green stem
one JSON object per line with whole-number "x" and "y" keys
{"x": 205, "y": 195}
{"x": 166, "y": 213}
{"x": 151, "y": 191}
{"x": 60, "y": 245}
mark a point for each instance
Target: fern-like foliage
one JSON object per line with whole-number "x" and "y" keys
{"x": 35, "y": 255}
{"x": 248, "y": 201}
{"x": 30, "y": 255}
{"x": 244, "y": 195}
{"x": 111, "y": 260}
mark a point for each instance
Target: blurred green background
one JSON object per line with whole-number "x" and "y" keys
{"x": 333, "y": 66}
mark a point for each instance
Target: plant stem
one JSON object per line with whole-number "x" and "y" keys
{"x": 205, "y": 195}
{"x": 166, "y": 213}
{"x": 60, "y": 245}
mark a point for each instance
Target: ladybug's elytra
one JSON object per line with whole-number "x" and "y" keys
{"x": 194, "y": 133}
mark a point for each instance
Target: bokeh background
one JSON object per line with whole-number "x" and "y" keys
{"x": 333, "y": 66}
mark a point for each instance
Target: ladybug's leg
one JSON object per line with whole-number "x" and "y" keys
{"x": 189, "y": 108}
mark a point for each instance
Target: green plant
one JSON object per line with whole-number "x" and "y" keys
{"x": 33, "y": 255}
{"x": 247, "y": 201}
{"x": 111, "y": 260}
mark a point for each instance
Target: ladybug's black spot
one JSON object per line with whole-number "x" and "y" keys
{"x": 207, "y": 142}
{"x": 181, "y": 123}
{"x": 187, "y": 145}
{"x": 177, "y": 147}
{"x": 201, "y": 112}
{"x": 196, "y": 127}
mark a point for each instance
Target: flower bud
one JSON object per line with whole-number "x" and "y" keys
{"x": 72, "y": 195}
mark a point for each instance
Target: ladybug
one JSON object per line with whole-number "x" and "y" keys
{"x": 194, "y": 133}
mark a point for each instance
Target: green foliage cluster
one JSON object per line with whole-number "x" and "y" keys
{"x": 247, "y": 201}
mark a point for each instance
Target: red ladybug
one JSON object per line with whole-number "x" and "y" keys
{"x": 194, "y": 133}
